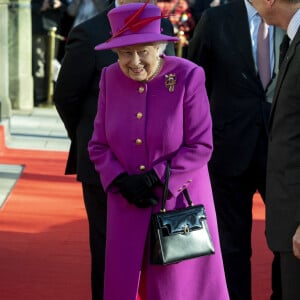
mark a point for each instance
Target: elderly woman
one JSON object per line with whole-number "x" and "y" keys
{"x": 152, "y": 109}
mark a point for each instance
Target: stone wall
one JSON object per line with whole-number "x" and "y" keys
{"x": 16, "y": 84}
{"x": 20, "y": 55}
{"x": 4, "y": 78}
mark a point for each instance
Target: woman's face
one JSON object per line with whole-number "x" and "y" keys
{"x": 139, "y": 62}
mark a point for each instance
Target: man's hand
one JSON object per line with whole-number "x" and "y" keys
{"x": 51, "y": 4}
{"x": 296, "y": 243}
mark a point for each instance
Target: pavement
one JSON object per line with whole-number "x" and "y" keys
{"x": 39, "y": 129}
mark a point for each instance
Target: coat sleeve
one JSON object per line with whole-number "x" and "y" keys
{"x": 74, "y": 79}
{"x": 200, "y": 49}
{"x": 99, "y": 150}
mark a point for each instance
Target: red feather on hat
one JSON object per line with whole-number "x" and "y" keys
{"x": 132, "y": 23}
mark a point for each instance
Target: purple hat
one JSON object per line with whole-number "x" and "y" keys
{"x": 134, "y": 23}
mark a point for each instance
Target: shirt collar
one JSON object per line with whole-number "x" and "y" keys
{"x": 294, "y": 25}
{"x": 251, "y": 11}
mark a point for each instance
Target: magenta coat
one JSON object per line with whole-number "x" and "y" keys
{"x": 172, "y": 126}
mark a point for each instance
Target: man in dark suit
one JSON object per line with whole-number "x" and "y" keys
{"x": 283, "y": 166}
{"x": 224, "y": 44}
{"x": 76, "y": 99}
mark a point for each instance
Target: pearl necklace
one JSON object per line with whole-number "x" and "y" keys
{"x": 157, "y": 70}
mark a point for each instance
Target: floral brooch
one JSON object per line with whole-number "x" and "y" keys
{"x": 170, "y": 81}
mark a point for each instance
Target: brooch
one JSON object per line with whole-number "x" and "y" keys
{"x": 170, "y": 82}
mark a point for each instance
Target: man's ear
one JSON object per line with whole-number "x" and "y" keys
{"x": 270, "y": 2}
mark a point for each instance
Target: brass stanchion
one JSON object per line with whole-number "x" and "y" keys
{"x": 181, "y": 43}
{"x": 51, "y": 54}
{"x": 52, "y": 36}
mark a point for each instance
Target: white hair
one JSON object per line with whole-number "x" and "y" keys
{"x": 162, "y": 47}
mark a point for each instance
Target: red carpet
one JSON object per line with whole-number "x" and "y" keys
{"x": 43, "y": 231}
{"x": 261, "y": 255}
{"x": 44, "y": 250}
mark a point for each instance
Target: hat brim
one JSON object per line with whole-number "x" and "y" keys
{"x": 134, "y": 39}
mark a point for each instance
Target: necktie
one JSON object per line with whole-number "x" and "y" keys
{"x": 283, "y": 48}
{"x": 263, "y": 53}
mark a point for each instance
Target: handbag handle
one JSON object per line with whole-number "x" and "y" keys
{"x": 166, "y": 189}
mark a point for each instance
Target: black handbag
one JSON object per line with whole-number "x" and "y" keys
{"x": 179, "y": 234}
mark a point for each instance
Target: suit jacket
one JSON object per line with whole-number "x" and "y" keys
{"x": 77, "y": 88}
{"x": 221, "y": 44}
{"x": 283, "y": 167}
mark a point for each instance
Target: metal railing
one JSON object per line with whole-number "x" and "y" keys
{"x": 52, "y": 37}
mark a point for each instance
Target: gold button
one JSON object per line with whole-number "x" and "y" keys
{"x": 142, "y": 168}
{"x": 138, "y": 141}
{"x": 141, "y": 89}
{"x": 139, "y": 115}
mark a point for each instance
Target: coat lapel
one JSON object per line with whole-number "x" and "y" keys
{"x": 283, "y": 69}
{"x": 239, "y": 27}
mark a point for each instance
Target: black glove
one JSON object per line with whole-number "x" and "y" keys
{"x": 137, "y": 188}
{"x": 149, "y": 199}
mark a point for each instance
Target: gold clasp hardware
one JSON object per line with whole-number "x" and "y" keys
{"x": 186, "y": 229}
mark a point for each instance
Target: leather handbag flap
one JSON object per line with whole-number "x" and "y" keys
{"x": 182, "y": 220}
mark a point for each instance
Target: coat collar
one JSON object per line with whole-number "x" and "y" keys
{"x": 238, "y": 26}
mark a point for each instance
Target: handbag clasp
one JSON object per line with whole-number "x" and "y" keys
{"x": 186, "y": 229}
